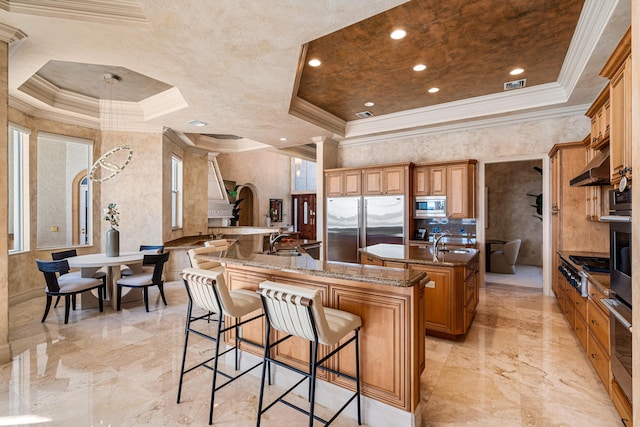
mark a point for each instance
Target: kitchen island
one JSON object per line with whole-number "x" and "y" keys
{"x": 451, "y": 295}
{"x": 390, "y": 302}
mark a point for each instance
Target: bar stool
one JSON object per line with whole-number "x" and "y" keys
{"x": 207, "y": 290}
{"x": 298, "y": 311}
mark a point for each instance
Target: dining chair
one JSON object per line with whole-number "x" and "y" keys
{"x": 57, "y": 256}
{"x": 147, "y": 249}
{"x": 145, "y": 279}
{"x": 298, "y": 312}
{"x": 60, "y": 283}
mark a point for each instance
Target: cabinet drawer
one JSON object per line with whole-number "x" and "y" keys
{"x": 595, "y": 295}
{"x": 623, "y": 406}
{"x": 581, "y": 331}
{"x": 570, "y": 313}
{"x": 599, "y": 359}
{"x": 369, "y": 260}
{"x": 598, "y": 323}
{"x": 580, "y": 303}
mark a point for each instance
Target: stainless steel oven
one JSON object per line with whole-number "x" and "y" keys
{"x": 620, "y": 303}
{"x": 430, "y": 207}
{"x": 620, "y": 330}
{"x": 620, "y": 243}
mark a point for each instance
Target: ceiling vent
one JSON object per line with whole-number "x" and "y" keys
{"x": 223, "y": 136}
{"x": 364, "y": 114}
{"x": 516, "y": 84}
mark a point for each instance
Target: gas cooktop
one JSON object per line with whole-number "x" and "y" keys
{"x": 591, "y": 263}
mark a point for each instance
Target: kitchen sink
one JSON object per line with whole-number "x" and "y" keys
{"x": 286, "y": 252}
{"x": 454, "y": 251}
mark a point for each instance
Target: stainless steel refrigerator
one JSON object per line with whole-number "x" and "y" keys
{"x": 356, "y": 222}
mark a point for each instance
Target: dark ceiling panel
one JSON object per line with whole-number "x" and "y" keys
{"x": 469, "y": 48}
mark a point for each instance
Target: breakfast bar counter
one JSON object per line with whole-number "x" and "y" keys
{"x": 390, "y": 302}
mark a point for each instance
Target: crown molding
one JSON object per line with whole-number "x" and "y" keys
{"x": 183, "y": 141}
{"x": 102, "y": 11}
{"x": 307, "y": 111}
{"x": 68, "y": 118}
{"x": 302, "y": 151}
{"x": 471, "y": 125}
{"x": 14, "y": 37}
{"x": 591, "y": 25}
{"x": 466, "y": 109}
{"x": 227, "y": 146}
{"x": 163, "y": 103}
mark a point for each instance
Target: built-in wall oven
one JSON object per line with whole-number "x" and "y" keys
{"x": 620, "y": 303}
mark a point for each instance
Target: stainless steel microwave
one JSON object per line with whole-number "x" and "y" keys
{"x": 430, "y": 206}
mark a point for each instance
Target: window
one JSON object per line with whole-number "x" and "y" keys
{"x": 176, "y": 192}
{"x": 18, "y": 174}
{"x": 303, "y": 175}
{"x": 63, "y": 192}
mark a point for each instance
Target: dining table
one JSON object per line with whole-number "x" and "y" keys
{"x": 89, "y": 264}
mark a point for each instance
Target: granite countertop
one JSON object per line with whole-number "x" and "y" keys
{"x": 421, "y": 255}
{"x": 243, "y": 252}
{"x": 601, "y": 280}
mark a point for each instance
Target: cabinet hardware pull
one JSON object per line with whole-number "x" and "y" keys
{"x": 594, "y": 356}
{"x": 595, "y": 322}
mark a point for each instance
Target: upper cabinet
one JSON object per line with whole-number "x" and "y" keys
{"x": 430, "y": 180}
{"x": 600, "y": 116}
{"x": 374, "y": 181}
{"x": 454, "y": 180}
{"x": 385, "y": 181}
{"x": 618, "y": 70}
{"x": 347, "y": 182}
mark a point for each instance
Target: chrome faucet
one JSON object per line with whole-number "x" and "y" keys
{"x": 275, "y": 238}
{"x": 436, "y": 240}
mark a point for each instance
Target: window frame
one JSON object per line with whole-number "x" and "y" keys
{"x": 21, "y": 211}
{"x": 176, "y": 192}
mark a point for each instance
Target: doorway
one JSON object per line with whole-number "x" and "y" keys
{"x": 304, "y": 215}
{"x": 513, "y": 208}
{"x": 245, "y": 215}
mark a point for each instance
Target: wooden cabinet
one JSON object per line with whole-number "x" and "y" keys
{"x": 346, "y": 182}
{"x": 598, "y": 336}
{"x": 438, "y": 180}
{"x": 600, "y": 116}
{"x": 392, "y": 353}
{"x": 451, "y": 298}
{"x": 421, "y": 181}
{"x": 387, "y": 181}
{"x": 455, "y": 180}
{"x": 461, "y": 190}
{"x": 618, "y": 71}
{"x": 597, "y": 202}
{"x": 622, "y": 404}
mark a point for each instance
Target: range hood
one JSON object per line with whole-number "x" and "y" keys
{"x": 218, "y": 202}
{"x": 595, "y": 173}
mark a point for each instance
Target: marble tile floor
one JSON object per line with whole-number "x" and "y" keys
{"x": 519, "y": 365}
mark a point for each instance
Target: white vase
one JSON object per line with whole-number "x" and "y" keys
{"x": 112, "y": 246}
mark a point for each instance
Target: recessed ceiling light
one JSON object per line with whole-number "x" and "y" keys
{"x": 197, "y": 123}
{"x": 369, "y": 104}
{"x": 315, "y": 62}
{"x": 516, "y": 71}
{"x": 398, "y": 34}
{"x": 434, "y": 90}
{"x": 419, "y": 67}
{"x": 283, "y": 139}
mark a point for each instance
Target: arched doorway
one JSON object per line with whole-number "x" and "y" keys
{"x": 246, "y": 206}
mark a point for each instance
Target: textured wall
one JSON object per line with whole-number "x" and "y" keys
{"x": 4, "y": 238}
{"x": 519, "y": 139}
{"x": 510, "y": 214}
{"x": 267, "y": 172}
{"x": 25, "y": 281}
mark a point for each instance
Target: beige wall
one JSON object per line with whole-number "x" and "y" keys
{"x": 521, "y": 139}
{"x": 4, "y": 237}
{"x": 25, "y": 281}
{"x": 510, "y": 211}
{"x": 268, "y": 173}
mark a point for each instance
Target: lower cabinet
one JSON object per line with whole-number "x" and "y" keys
{"x": 392, "y": 352}
{"x": 622, "y": 404}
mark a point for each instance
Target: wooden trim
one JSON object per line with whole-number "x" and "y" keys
{"x": 617, "y": 58}
{"x": 75, "y": 206}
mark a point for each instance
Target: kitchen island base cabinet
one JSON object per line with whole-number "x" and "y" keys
{"x": 392, "y": 352}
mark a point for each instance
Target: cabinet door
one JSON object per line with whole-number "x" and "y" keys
{"x": 421, "y": 181}
{"x": 373, "y": 181}
{"x": 457, "y": 191}
{"x": 334, "y": 184}
{"x": 620, "y": 146}
{"x": 438, "y": 313}
{"x": 438, "y": 180}
{"x": 353, "y": 183}
{"x": 393, "y": 180}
